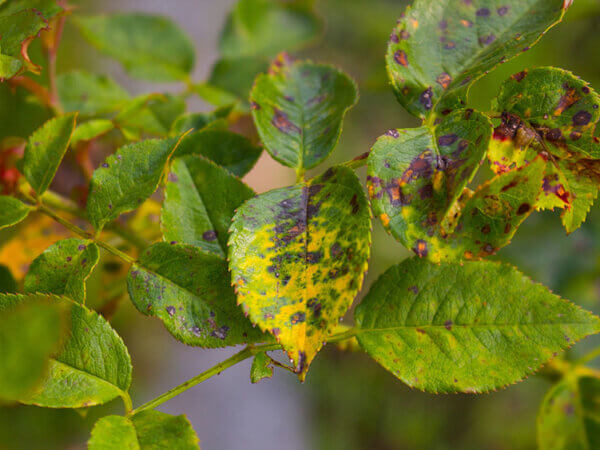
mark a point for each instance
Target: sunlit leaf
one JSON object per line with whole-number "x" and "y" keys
{"x": 189, "y": 289}
{"x": 298, "y": 109}
{"x": 266, "y": 27}
{"x": 297, "y": 257}
{"x": 62, "y": 269}
{"x": 126, "y": 179}
{"x": 569, "y": 417}
{"x": 438, "y": 49}
{"x": 45, "y": 150}
{"x": 470, "y": 327}
{"x": 149, "y": 47}
{"x": 200, "y": 200}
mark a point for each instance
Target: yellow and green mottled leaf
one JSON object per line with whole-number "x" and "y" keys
{"x": 298, "y": 256}
{"x": 150, "y": 47}
{"x": 569, "y": 418}
{"x": 298, "y": 109}
{"x": 92, "y": 367}
{"x": 29, "y": 335}
{"x": 189, "y": 290}
{"x": 62, "y": 269}
{"x": 147, "y": 430}
{"x": 465, "y": 327}
{"x": 200, "y": 200}
{"x": 12, "y": 211}
{"x": 549, "y": 110}
{"x": 439, "y": 48}
{"x": 45, "y": 150}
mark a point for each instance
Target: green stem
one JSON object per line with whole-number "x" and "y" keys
{"x": 242, "y": 355}
{"x": 127, "y": 402}
{"x": 61, "y": 203}
{"x": 588, "y": 357}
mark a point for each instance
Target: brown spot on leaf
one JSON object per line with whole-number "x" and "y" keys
{"x": 420, "y": 248}
{"x": 282, "y": 123}
{"x": 569, "y": 98}
{"x": 518, "y": 77}
{"x": 444, "y": 80}
{"x": 523, "y": 208}
{"x": 582, "y": 118}
{"x": 400, "y": 58}
{"x": 426, "y": 98}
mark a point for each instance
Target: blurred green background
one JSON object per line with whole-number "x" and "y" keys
{"x": 348, "y": 402}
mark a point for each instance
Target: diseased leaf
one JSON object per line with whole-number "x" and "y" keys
{"x": 569, "y": 417}
{"x": 298, "y": 109}
{"x": 20, "y": 22}
{"x": 126, "y": 179}
{"x": 438, "y": 49}
{"x": 231, "y": 150}
{"x": 297, "y": 258}
{"x": 266, "y": 27}
{"x": 550, "y": 111}
{"x": 90, "y": 94}
{"x": 149, "y": 47}
{"x": 200, "y": 200}
{"x": 29, "y": 335}
{"x": 45, "y": 150}
{"x": 62, "y": 269}
{"x": 470, "y": 327}
{"x": 12, "y": 211}
{"x": 189, "y": 290}
{"x": 261, "y": 367}
{"x": 147, "y": 430}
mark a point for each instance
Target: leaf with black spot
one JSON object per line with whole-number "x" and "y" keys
{"x": 438, "y": 49}
{"x": 298, "y": 257}
{"x": 465, "y": 327}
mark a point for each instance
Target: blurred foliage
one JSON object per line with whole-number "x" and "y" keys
{"x": 366, "y": 408}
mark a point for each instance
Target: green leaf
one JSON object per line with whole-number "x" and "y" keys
{"x": 45, "y": 150}
{"x": 62, "y": 269}
{"x": 200, "y": 200}
{"x": 147, "y": 430}
{"x": 12, "y": 211}
{"x": 149, "y": 47}
{"x": 91, "y": 130}
{"x": 298, "y": 109}
{"x": 548, "y": 110}
{"x": 569, "y": 417}
{"x": 233, "y": 78}
{"x": 298, "y": 256}
{"x": 29, "y": 335}
{"x": 266, "y": 27}
{"x": 198, "y": 121}
{"x": 261, "y": 367}
{"x": 149, "y": 115}
{"x": 21, "y": 21}
{"x": 126, "y": 179}
{"x": 189, "y": 290}
{"x": 231, "y": 150}
{"x": 90, "y": 94}
{"x": 416, "y": 176}
{"x": 93, "y": 366}
{"x": 437, "y": 50}
{"x": 470, "y": 327}
{"x": 8, "y": 283}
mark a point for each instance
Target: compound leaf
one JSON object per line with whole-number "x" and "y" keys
{"x": 298, "y": 256}
{"x": 298, "y": 109}
{"x": 200, "y": 200}
{"x": 92, "y": 367}
{"x": 29, "y": 335}
{"x": 126, "y": 179}
{"x": 569, "y": 417}
{"x": 12, "y": 211}
{"x": 438, "y": 49}
{"x": 147, "y": 430}
{"x": 149, "y": 47}
{"x": 62, "y": 269}
{"x": 189, "y": 289}
{"x": 90, "y": 94}
{"x": 261, "y": 367}
{"x": 231, "y": 150}
{"x": 45, "y": 150}
{"x": 266, "y": 27}
{"x": 470, "y": 327}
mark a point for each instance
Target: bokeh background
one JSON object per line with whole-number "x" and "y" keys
{"x": 348, "y": 402}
